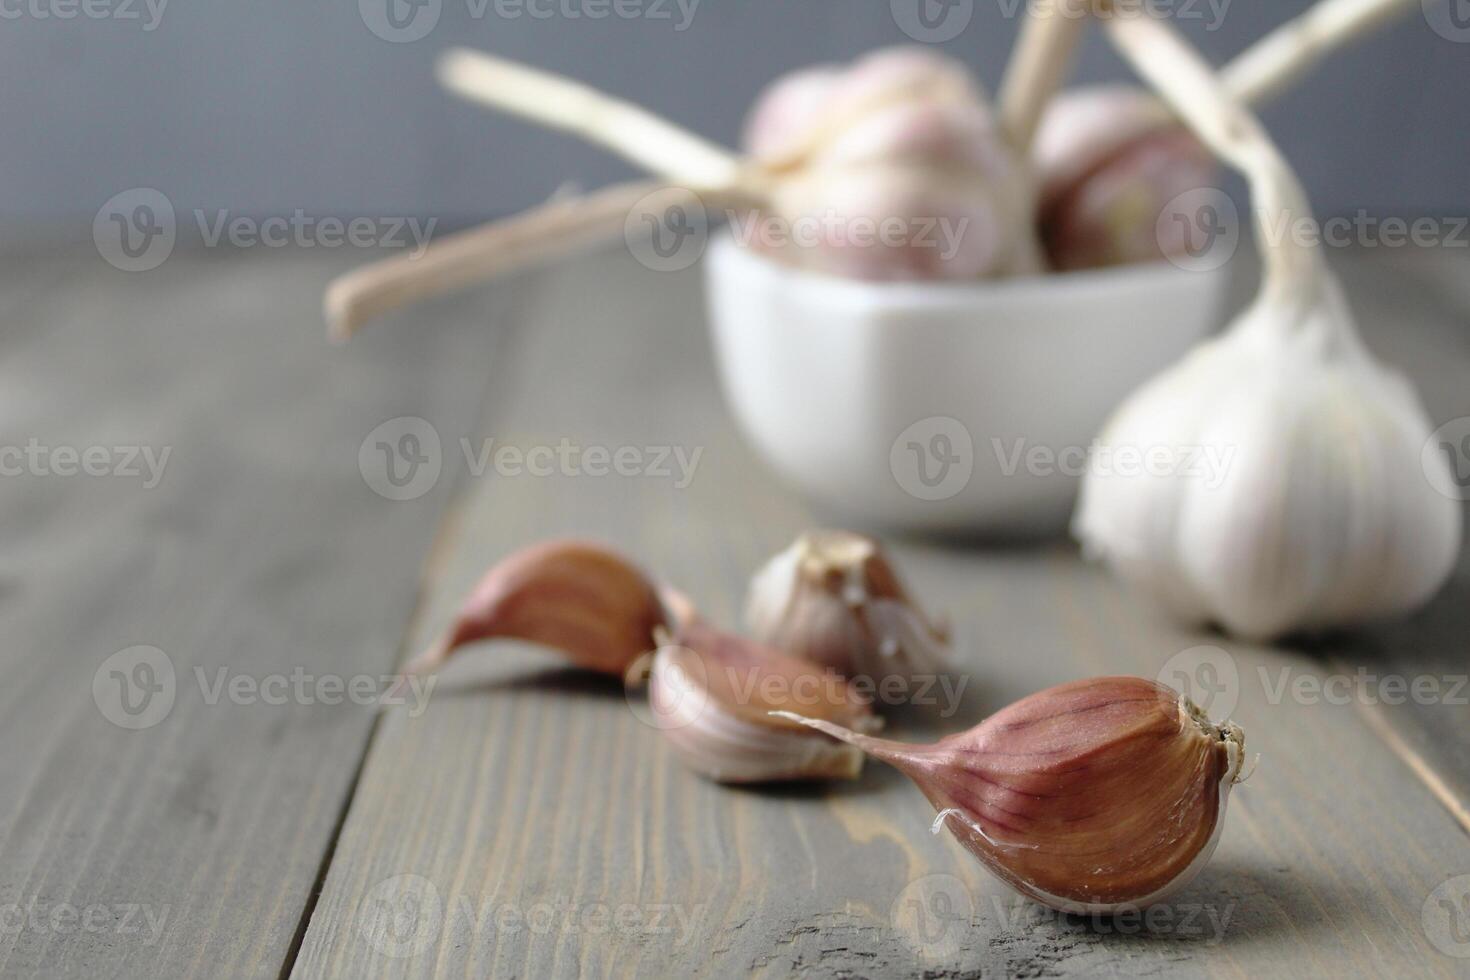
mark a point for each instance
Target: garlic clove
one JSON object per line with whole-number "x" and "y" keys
{"x": 834, "y": 599}
{"x": 579, "y": 597}
{"x": 1088, "y": 797}
{"x": 712, "y": 695}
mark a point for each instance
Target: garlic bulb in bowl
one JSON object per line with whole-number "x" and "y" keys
{"x": 891, "y": 169}
{"x": 1321, "y": 514}
{"x": 1108, "y": 169}
{"x": 1110, "y": 159}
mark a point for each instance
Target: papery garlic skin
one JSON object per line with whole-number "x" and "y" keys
{"x": 581, "y": 598}
{"x": 712, "y": 694}
{"x": 1089, "y": 797}
{"x": 834, "y": 599}
{"x": 891, "y": 169}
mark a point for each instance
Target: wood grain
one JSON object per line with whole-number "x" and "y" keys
{"x": 529, "y": 824}
{"x": 261, "y": 550}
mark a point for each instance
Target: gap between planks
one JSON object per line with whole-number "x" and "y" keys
{"x": 436, "y": 562}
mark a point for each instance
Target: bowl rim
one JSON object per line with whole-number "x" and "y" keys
{"x": 1053, "y": 288}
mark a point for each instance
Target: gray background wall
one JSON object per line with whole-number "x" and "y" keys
{"x": 265, "y": 106}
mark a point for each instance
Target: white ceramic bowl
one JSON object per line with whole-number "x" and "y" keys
{"x": 942, "y": 407}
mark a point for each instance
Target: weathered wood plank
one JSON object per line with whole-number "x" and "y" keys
{"x": 261, "y": 550}
{"x": 491, "y": 835}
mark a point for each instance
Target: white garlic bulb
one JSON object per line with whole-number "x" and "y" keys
{"x": 1277, "y": 481}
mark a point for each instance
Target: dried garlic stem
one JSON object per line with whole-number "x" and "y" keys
{"x": 1040, "y": 63}
{"x": 652, "y": 143}
{"x": 1294, "y": 274}
{"x": 1277, "y": 61}
{"x": 1281, "y": 57}
{"x": 556, "y": 228}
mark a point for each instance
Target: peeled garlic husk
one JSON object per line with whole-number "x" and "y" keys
{"x": 834, "y": 599}
{"x": 712, "y": 693}
{"x": 1290, "y": 493}
{"x": 579, "y": 597}
{"x": 903, "y": 139}
{"x": 1088, "y": 797}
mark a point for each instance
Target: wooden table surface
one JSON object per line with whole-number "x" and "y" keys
{"x": 187, "y": 789}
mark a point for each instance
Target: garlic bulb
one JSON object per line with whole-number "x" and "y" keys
{"x": 712, "y": 695}
{"x": 1280, "y": 485}
{"x": 1086, "y": 797}
{"x": 579, "y": 597}
{"x": 891, "y": 169}
{"x": 833, "y": 598}
{"x": 1110, "y": 158}
{"x": 1108, "y": 168}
